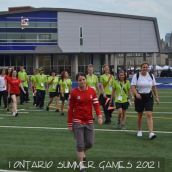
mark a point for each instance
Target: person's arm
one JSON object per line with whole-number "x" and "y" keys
{"x": 9, "y": 88}
{"x": 155, "y": 93}
{"x": 70, "y": 111}
{"x": 133, "y": 87}
{"x": 96, "y": 106}
{"x": 21, "y": 86}
{"x": 50, "y": 81}
{"x": 101, "y": 87}
{"x": 70, "y": 87}
{"x": 135, "y": 93}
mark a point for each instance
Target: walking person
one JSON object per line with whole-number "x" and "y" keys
{"x": 3, "y": 87}
{"x": 53, "y": 82}
{"x": 22, "y": 75}
{"x": 8, "y": 75}
{"x": 33, "y": 85}
{"x": 80, "y": 118}
{"x": 144, "y": 87}
{"x": 14, "y": 85}
{"x": 65, "y": 88}
{"x": 41, "y": 81}
{"x": 121, "y": 93}
{"x": 92, "y": 79}
{"x": 106, "y": 83}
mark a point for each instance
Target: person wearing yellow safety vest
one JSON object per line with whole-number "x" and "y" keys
{"x": 22, "y": 75}
{"x": 53, "y": 82}
{"x": 106, "y": 83}
{"x": 65, "y": 88}
{"x": 92, "y": 79}
{"x": 41, "y": 81}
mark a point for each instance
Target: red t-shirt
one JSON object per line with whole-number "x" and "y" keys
{"x": 14, "y": 85}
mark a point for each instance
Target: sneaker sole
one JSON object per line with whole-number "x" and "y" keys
{"x": 153, "y": 137}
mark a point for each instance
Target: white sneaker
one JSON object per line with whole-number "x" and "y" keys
{"x": 13, "y": 114}
{"x": 139, "y": 134}
{"x": 152, "y": 136}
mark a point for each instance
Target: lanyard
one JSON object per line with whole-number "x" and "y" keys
{"x": 121, "y": 87}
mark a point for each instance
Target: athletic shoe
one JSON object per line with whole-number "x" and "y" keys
{"x": 152, "y": 136}
{"x": 118, "y": 126}
{"x": 62, "y": 113}
{"x": 57, "y": 110}
{"x": 16, "y": 114}
{"x": 47, "y": 108}
{"x": 139, "y": 134}
{"x": 82, "y": 170}
{"x": 85, "y": 158}
{"x": 7, "y": 109}
{"x": 123, "y": 127}
{"x": 13, "y": 114}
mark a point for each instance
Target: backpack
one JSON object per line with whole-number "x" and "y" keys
{"x": 137, "y": 75}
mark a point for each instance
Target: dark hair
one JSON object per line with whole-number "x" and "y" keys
{"x": 125, "y": 76}
{"x": 80, "y": 74}
{"x": 144, "y": 64}
{"x": 63, "y": 74}
{"x": 1, "y": 70}
{"x": 103, "y": 71}
{"x": 90, "y": 65}
{"x": 53, "y": 71}
{"x": 12, "y": 73}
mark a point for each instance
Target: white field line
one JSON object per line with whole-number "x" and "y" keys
{"x": 65, "y": 110}
{"x": 103, "y": 130}
{"x": 1, "y": 170}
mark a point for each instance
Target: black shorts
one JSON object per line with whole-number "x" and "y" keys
{"x": 146, "y": 103}
{"x": 122, "y": 105}
{"x": 65, "y": 97}
{"x": 53, "y": 94}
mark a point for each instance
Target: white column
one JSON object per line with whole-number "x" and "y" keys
{"x": 154, "y": 59}
{"x": 112, "y": 57}
{"x": 106, "y": 59}
{"x": 154, "y": 63}
{"x": 115, "y": 63}
{"x": 36, "y": 62}
{"x": 74, "y": 65}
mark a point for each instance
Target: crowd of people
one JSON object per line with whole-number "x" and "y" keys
{"x": 14, "y": 88}
{"x": 109, "y": 91}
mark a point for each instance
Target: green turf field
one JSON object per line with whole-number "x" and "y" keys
{"x": 37, "y": 137}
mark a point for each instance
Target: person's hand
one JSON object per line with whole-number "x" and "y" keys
{"x": 138, "y": 96}
{"x": 157, "y": 99}
{"x": 70, "y": 129}
{"x": 100, "y": 120}
{"x": 104, "y": 95}
{"x": 110, "y": 101}
{"x": 130, "y": 102}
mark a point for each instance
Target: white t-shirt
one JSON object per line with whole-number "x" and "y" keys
{"x": 2, "y": 83}
{"x": 144, "y": 83}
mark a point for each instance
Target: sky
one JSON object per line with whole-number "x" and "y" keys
{"x": 161, "y": 9}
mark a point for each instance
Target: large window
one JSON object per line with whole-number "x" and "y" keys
{"x": 34, "y": 32}
{"x": 17, "y": 24}
{"x": 28, "y": 37}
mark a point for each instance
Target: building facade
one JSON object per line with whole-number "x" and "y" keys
{"x": 71, "y": 39}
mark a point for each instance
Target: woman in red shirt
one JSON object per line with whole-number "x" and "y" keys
{"x": 80, "y": 118}
{"x": 14, "y": 85}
